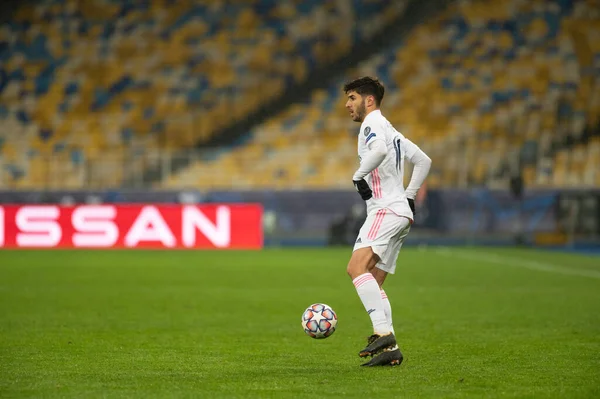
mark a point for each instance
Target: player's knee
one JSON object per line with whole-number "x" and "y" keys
{"x": 352, "y": 270}
{"x": 360, "y": 262}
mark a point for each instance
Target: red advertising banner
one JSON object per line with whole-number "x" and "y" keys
{"x": 221, "y": 226}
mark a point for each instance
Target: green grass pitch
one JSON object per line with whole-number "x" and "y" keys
{"x": 471, "y": 322}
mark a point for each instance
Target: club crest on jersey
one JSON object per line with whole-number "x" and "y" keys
{"x": 367, "y": 131}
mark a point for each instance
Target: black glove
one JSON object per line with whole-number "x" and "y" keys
{"x": 363, "y": 189}
{"x": 411, "y": 203}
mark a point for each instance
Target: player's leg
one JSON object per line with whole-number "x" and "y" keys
{"x": 361, "y": 263}
{"x": 387, "y": 265}
{"x": 363, "y": 260}
{"x": 391, "y": 355}
{"x": 370, "y": 247}
{"x": 380, "y": 276}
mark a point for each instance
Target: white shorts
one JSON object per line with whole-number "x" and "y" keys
{"x": 384, "y": 232}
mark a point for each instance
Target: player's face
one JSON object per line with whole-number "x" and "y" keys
{"x": 356, "y": 106}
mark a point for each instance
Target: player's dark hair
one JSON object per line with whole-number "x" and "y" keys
{"x": 367, "y": 86}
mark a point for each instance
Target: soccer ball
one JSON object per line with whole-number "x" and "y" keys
{"x": 319, "y": 321}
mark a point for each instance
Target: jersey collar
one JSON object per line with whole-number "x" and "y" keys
{"x": 373, "y": 113}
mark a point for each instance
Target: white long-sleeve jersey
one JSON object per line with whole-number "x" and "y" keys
{"x": 382, "y": 151}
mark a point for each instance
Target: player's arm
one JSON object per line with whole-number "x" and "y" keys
{"x": 422, "y": 164}
{"x": 373, "y": 158}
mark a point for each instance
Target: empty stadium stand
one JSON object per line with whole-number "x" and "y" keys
{"x": 483, "y": 88}
{"x": 93, "y": 90}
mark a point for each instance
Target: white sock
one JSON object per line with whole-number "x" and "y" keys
{"x": 368, "y": 291}
{"x": 387, "y": 308}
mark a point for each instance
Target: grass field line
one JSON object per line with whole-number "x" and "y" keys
{"x": 511, "y": 261}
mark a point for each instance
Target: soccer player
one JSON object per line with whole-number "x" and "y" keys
{"x": 390, "y": 211}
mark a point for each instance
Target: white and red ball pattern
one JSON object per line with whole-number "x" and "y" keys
{"x": 319, "y": 321}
